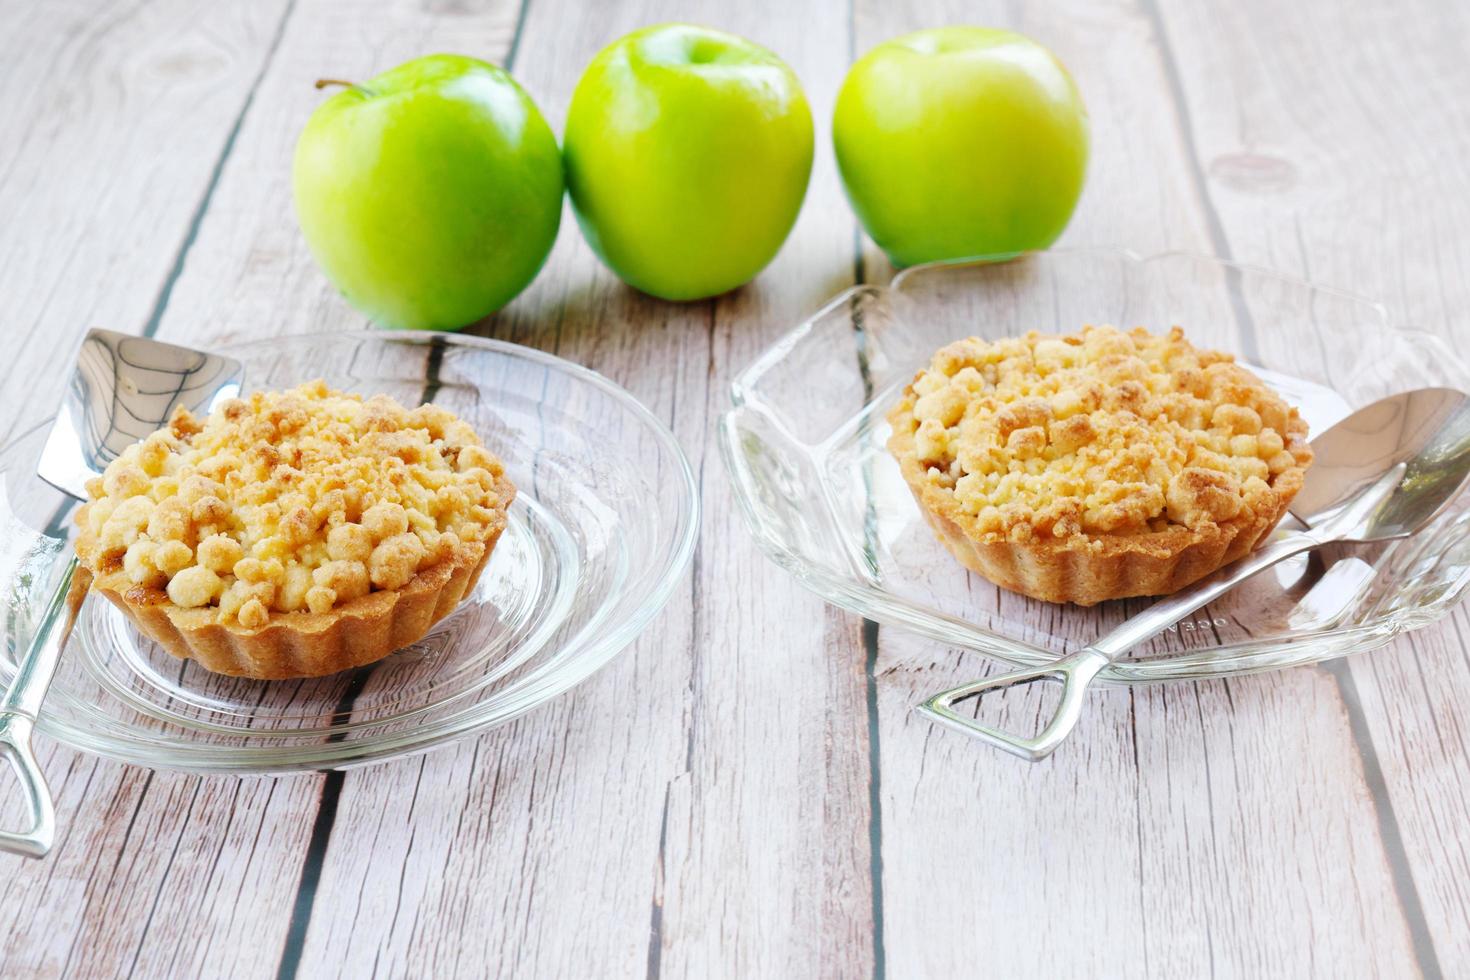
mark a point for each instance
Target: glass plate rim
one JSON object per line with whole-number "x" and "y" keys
{"x": 541, "y": 685}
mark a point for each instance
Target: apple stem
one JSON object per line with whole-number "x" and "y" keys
{"x": 324, "y": 82}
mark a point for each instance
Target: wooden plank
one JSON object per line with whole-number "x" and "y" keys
{"x": 714, "y": 846}
{"x": 1338, "y": 163}
{"x": 98, "y": 220}
{"x": 702, "y": 806}
{"x": 1180, "y": 827}
{"x": 160, "y": 873}
{"x": 250, "y": 275}
{"x": 114, "y": 122}
{"x": 1412, "y": 698}
{"x": 557, "y": 760}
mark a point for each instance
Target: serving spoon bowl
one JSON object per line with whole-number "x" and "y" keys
{"x": 1379, "y": 475}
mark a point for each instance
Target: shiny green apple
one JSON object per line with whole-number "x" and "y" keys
{"x": 687, "y": 156}
{"x": 961, "y": 142}
{"x": 430, "y": 194}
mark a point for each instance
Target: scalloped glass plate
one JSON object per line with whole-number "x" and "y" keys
{"x": 804, "y": 445}
{"x": 602, "y": 528}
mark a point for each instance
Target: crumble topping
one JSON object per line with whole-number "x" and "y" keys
{"x": 294, "y": 500}
{"x": 1098, "y": 432}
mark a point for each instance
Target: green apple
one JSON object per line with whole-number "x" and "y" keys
{"x": 960, "y": 142}
{"x": 687, "y": 156}
{"x": 431, "y": 194}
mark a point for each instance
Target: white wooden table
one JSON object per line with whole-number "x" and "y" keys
{"x": 745, "y": 792}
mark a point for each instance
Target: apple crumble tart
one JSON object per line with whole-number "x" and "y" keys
{"x": 1096, "y": 465}
{"x": 294, "y": 533}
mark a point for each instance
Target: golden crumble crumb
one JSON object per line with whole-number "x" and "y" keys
{"x": 1102, "y": 432}
{"x": 294, "y": 500}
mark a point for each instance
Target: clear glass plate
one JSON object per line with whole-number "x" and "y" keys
{"x": 602, "y": 527}
{"x": 804, "y": 444}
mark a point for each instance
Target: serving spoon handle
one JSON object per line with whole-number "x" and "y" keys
{"x": 1349, "y": 521}
{"x": 1076, "y": 671}
{"x": 22, "y": 705}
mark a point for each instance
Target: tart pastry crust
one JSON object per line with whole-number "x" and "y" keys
{"x": 1098, "y": 465}
{"x": 295, "y": 533}
{"x": 303, "y": 643}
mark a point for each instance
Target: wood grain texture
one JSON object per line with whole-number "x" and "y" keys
{"x": 412, "y": 846}
{"x": 113, "y": 122}
{"x": 745, "y": 792}
{"x": 1150, "y": 835}
{"x": 714, "y": 848}
{"x": 97, "y": 220}
{"x": 1330, "y": 158}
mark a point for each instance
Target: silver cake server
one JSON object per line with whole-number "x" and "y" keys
{"x": 122, "y": 389}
